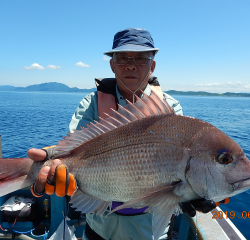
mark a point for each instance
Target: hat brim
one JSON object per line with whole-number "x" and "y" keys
{"x": 130, "y": 48}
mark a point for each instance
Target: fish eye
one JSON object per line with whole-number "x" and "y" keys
{"x": 225, "y": 158}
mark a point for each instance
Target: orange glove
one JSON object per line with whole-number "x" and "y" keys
{"x": 225, "y": 201}
{"x": 200, "y": 205}
{"x": 65, "y": 184}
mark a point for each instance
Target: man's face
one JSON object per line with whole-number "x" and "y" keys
{"x": 130, "y": 74}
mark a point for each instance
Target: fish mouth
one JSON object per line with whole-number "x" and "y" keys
{"x": 242, "y": 185}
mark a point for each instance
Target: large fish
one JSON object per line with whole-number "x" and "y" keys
{"x": 143, "y": 155}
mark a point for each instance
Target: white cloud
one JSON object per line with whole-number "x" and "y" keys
{"x": 223, "y": 87}
{"x": 212, "y": 84}
{"x": 53, "y": 67}
{"x": 34, "y": 66}
{"x": 208, "y": 84}
{"x": 106, "y": 58}
{"x": 228, "y": 85}
{"x": 80, "y": 64}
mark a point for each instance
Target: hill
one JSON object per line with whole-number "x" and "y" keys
{"x": 60, "y": 87}
{"x": 190, "y": 93}
{"x": 48, "y": 87}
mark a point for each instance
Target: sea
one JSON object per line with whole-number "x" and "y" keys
{"x": 39, "y": 119}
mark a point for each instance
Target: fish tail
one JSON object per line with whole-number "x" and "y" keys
{"x": 13, "y": 174}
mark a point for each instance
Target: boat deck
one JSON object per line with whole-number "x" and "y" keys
{"x": 201, "y": 227}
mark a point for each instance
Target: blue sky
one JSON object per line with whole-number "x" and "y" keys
{"x": 204, "y": 44}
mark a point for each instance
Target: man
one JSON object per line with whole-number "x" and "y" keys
{"x": 132, "y": 62}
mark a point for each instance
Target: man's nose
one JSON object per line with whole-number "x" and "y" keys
{"x": 130, "y": 64}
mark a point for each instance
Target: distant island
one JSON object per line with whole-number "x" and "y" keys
{"x": 45, "y": 87}
{"x": 190, "y": 93}
{"x": 60, "y": 87}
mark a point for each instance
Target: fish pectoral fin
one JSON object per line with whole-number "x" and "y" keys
{"x": 87, "y": 204}
{"x": 160, "y": 223}
{"x": 162, "y": 203}
{"x": 155, "y": 200}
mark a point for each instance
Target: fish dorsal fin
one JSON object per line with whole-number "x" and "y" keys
{"x": 134, "y": 110}
{"x": 89, "y": 132}
{"x": 120, "y": 117}
{"x": 145, "y": 106}
{"x": 83, "y": 133}
{"x": 94, "y": 128}
{"x": 163, "y": 105}
{"x": 129, "y": 115}
{"x": 107, "y": 124}
{"x": 79, "y": 135}
{"x": 168, "y": 108}
{"x": 113, "y": 120}
{"x": 152, "y": 104}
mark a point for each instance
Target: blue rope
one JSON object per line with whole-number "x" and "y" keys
{"x": 64, "y": 223}
{"x": 45, "y": 231}
{"x": 22, "y": 232}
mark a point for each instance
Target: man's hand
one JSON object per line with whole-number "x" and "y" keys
{"x": 54, "y": 179}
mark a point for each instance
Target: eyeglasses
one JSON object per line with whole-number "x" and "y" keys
{"x": 123, "y": 59}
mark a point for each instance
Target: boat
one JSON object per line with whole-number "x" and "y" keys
{"x": 200, "y": 227}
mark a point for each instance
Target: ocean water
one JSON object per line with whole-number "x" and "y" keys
{"x": 41, "y": 119}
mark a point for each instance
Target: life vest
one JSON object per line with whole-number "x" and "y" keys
{"x": 106, "y": 93}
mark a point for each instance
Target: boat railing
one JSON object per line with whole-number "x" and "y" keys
{"x": 205, "y": 227}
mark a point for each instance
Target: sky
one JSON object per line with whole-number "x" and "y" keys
{"x": 204, "y": 44}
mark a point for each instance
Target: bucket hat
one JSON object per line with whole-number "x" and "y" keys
{"x": 132, "y": 40}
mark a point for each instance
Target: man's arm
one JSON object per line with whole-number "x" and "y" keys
{"x": 86, "y": 112}
{"x": 173, "y": 103}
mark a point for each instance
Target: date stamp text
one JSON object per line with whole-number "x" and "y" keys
{"x": 231, "y": 215}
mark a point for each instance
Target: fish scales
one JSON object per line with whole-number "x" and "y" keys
{"x": 131, "y": 177}
{"x": 135, "y": 158}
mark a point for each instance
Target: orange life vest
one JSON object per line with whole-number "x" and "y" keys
{"x": 106, "y": 93}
